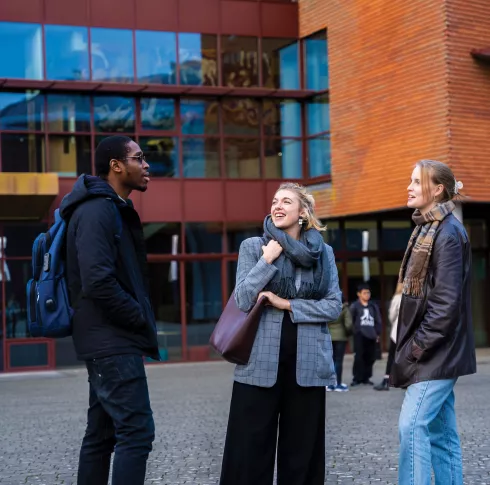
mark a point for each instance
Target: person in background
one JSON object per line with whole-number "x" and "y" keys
{"x": 340, "y": 330}
{"x": 367, "y": 329}
{"x": 384, "y": 385}
{"x": 435, "y": 343}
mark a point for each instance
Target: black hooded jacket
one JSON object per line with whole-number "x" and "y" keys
{"x": 106, "y": 272}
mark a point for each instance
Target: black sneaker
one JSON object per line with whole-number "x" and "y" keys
{"x": 354, "y": 384}
{"x": 382, "y": 386}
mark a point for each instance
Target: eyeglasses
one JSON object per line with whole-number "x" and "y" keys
{"x": 141, "y": 158}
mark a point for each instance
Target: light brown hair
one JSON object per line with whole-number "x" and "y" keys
{"x": 307, "y": 202}
{"x": 440, "y": 174}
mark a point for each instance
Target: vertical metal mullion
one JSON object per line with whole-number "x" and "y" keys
{"x": 177, "y": 59}
{"x": 2, "y": 307}
{"x": 92, "y": 132}
{"x": 135, "y": 70}
{"x": 259, "y": 62}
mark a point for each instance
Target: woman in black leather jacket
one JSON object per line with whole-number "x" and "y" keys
{"x": 435, "y": 343}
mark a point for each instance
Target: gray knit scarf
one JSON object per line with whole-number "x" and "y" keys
{"x": 309, "y": 253}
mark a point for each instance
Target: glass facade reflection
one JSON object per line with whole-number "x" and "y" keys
{"x": 23, "y": 152}
{"x": 198, "y": 59}
{"x": 317, "y": 116}
{"x": 319, "y": 156}
{"x": 239, "y": 60}
{"x": 114, "y": 114}
{"x": 67, "y": 56}
{"x": 201, "y": 157}
{"x": 21, "y": 51}
{"x": 283, "y": 159}
{"x": 68, "y": 113}
{"x": 316, "y": 62}
{"x": 162, "y": 155}
{"x": 21, "y": 111}
{"x": 112, "y": 55}
{"x": 280, "y": 63}
{"x": 199, "y": 116}
{"x": 158, "y": 114}
{"x": 282, "y": 118}
{"x": 70, "y": 156}
{"x": 156, "y": 57}
{"x": 242, "y": 158}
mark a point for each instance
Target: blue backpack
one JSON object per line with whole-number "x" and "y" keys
{"x": 49, "y": 311}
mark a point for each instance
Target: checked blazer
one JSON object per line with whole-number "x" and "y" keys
{"x": 314, "y": 365}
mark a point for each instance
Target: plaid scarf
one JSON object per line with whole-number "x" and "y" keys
{"x": 415, "y": 264}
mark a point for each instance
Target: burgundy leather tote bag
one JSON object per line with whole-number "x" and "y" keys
{"x": 234, "y": 334}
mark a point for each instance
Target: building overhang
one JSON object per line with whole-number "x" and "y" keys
{"x": 26, "y": 196}
{"x": 481, "y": 54}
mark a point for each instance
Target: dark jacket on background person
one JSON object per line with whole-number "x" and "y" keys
{"x": 435, "y": 334}
{"x": 341, "y": 329}
{"x": 367, "y": 319}
{"x": 107, "y": 274}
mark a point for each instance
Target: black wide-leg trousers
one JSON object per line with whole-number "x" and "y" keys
{"x": 256, "y": 413}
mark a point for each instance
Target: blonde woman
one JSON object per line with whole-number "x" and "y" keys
{"x": 384, "y": 385}
{"x": 281, "y": 391}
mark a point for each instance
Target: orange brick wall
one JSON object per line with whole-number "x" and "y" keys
{"x": 389, "y": 79}
{"x": 469, "y": 95}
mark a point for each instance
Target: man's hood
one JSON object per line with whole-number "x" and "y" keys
{"x": 86, "y": 187}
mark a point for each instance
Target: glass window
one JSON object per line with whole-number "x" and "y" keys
{"x": 198, "y": 59}
{"x": 68, "y": 113}
{"x": 317, "y": 115}
{"x": 21, "y": 111}
{"x": 280, "y": 63}
{"x": 319, "y": 156}
{"x": 239, "y": 61}
{"x": 242, "y": 158}
{"x": 18, "y": 239}
{"x": 237, "y": 233}
{"x": 162, "y": 238}
{"x": 281, "y": 118}
{"x": 70, "y": 156}
{"x": 21, "y": 50}
{"x": 479, "y": 299}
{"x": 361, "y": 235}
{"x": 162, "y": 155}
{"x": 23, "y": 153}
{"x": 204, "y": 302}
{"x": 113, "y": 114}
{"x": 201, "y": 157}
{"x": 28, "y": 355}
{"x": 158, "y": 114}
{"x": 112, "y": 55}
{"x": 165, "y": 298}
{"x": 156, "y": 57}
{"x": 395, "y": 235}
{"x": 477, "y": 232}
{"x": 241, "y": 116}
{"x": 316, "y": 62}
{"x": 67, "y": 53}
{"x": 199, "y": 116}
{"x": 203, "y": 237}
{"x": 283, "y": 158}
{"x": 332, "y": 235}
{"x": 15, "y": 304}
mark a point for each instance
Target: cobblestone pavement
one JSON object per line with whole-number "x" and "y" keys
{"x": 42, "y": 419}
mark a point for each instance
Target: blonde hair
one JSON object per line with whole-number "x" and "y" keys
{"x": 399, "y": 289}
{"x": 440, "y": 174}
{"x": 307, "y": 202}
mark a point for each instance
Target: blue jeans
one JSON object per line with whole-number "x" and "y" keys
{"x": 119, "y": 418}
{"x": 429, "y": 436}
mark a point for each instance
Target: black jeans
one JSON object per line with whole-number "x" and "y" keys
{"x": 391, "y": 357}
{"x": 364, "y": 359}
{"x": 120, "y": 418}
{"x": 338, "y": 358}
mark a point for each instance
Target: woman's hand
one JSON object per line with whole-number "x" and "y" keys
{"x": 272, "y": 251}
{"x": 276, "y": 301}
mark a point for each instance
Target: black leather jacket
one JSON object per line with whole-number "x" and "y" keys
{"x": 435, "y": 334}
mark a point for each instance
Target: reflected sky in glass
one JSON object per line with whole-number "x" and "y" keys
{"x": 158, "y": 114}
{"x": 67, "y": 53}
{"x": 317, "y": 116}
{"x": 197, "y": 59}
{"x": 316, "y": 63}
{"x": 113, "y": 114}
{"x": 21, "y": 111}
{"x": 112, "y": 55}
{"x": 319, "y": 156}
{"x": 156, "y": 57}
{"x": 21, "y": 51}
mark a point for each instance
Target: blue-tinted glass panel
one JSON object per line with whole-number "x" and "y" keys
{"x": 319, "y": 156}
{"x": 67, "y": 53}
{"x": 241, "y": 116}
{"x": 21, "y": 111}
{"x": 280, "y": 63}
{"x": 198, "y": 59}
{"x": 281, "y": 118}
{"x": 203, "y": 237}
{"x": 21, "y": 50}
{"x": 237, "y": 233}
{"x": 156, "y": 57}
{"x": 28, "y": 355}
{"x": 113, "y": 114}
{"x": 316, "y": 62}
{"x": 317, "y": 115}
{"x": 158, "y": 114}
{"x": 239, "y": 61}
{"x": 162, "y": 155}
{"x": 22, "y": 153}
{"x": 199, "y": 116}
{"x": 112, "y": 55}
{"x": 283, "y": 158}
{"x": 242, "y": 158}
{"x": 68, "y": 113}
{"x": 201, "y": 157}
